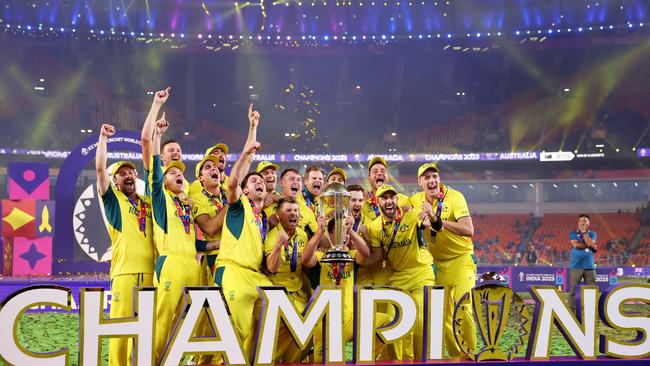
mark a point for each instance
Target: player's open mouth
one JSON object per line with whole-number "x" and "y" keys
{"x": 293, "y": 221}
{"x": 379, "y": 181}
{"x": 294, "y": 189}
{"x": 215, "y": 176}
{"x": 128, "y": 182}
{"x": 179, "y": 181}
{"x": 259, "y": 189}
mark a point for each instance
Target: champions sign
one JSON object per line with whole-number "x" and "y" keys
{"x": 491, "y": 302}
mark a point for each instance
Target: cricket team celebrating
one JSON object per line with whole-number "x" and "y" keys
{"x": 249, "y": 234}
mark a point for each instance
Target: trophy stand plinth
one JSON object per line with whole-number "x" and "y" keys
{"x": 337, "y": 256}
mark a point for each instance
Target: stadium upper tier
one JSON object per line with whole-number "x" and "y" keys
{"x": 587, "y": 99}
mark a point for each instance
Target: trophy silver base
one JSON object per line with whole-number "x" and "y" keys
{"x": 337, "y": 256}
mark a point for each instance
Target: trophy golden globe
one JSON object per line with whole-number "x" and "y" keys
{"x": 337, "y": 199}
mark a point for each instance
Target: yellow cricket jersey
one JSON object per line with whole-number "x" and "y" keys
{"x": 130, "y": 230}
{"x": 241, "y": 236}
{"x": 328, "y": 274}
{"x": 206, "y": 203}
{"x": 290, "y": 253}
{"x": 371, "y": 210}
{"x": 173, "y": 228}
{"x": 446, "y": 245}
{"x": 405, "y": 250}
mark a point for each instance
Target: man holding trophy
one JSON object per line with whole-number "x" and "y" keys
{"x": 335, "y": 266}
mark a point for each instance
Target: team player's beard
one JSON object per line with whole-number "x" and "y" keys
{"x": 389, "y": 210}
{"x": 128, "y": 186}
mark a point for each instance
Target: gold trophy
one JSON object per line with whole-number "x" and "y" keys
{"x": 491, "y": 300}
{"x": 337, "y": 198}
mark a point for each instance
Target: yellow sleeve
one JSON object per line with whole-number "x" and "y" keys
{"x": 416, "y": 201}
{"x": 460, "y": 208}
{"x": 374, "y": 232}
{"x": 319, "y": 254}
{"x": 271, "y": 210}
{"x": 403, "y": 200}
{"x": 201, "y": 205}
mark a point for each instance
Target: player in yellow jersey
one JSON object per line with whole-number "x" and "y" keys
{"x": 336, "y": 175}
{"x": 284, "y": 246}
{"x": 396, "y": 242}
{"x": 173, "y": 233}
{"x": 209, "y": 211}
{"x": 377, "y": 176}
{"x": 129, "y": 227}
{"x": 239, "y": 264}
{"x": 449, "y": 238}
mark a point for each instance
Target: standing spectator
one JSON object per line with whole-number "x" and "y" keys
{"x": 583, "y": 243}
{"x": 531, "y": 254}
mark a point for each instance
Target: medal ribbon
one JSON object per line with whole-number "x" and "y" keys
{"x": 337, "y": 271}
{"x": 260, "y": 220}
{"x": 357, "y": 221}
{"x": 184, "y": 213}
{"x": 441, "y": 198}
{"x": 373, "y": 203}
{"x": 309, "y": 203}
{"x": 398, "y": 221}
{"x": 142, "y": 213}
{"x": 218, "y": 203}
{"x": 293, "y": 263}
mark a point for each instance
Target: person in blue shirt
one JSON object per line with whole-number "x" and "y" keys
{"x": 583, "y": 243}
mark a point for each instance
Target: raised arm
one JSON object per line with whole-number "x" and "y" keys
{"x": 147, "y": 135}
{"x": 103, "y": 177}
{"x": 309, "y": 252}
{"x": 253, "y": 122}
{"x": 239, "y": 170}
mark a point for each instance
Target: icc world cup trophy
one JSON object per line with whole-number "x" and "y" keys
{"x": 337, "y": 198}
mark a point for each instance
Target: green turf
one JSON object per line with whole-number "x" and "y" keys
{"x": 47, "y": 332}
